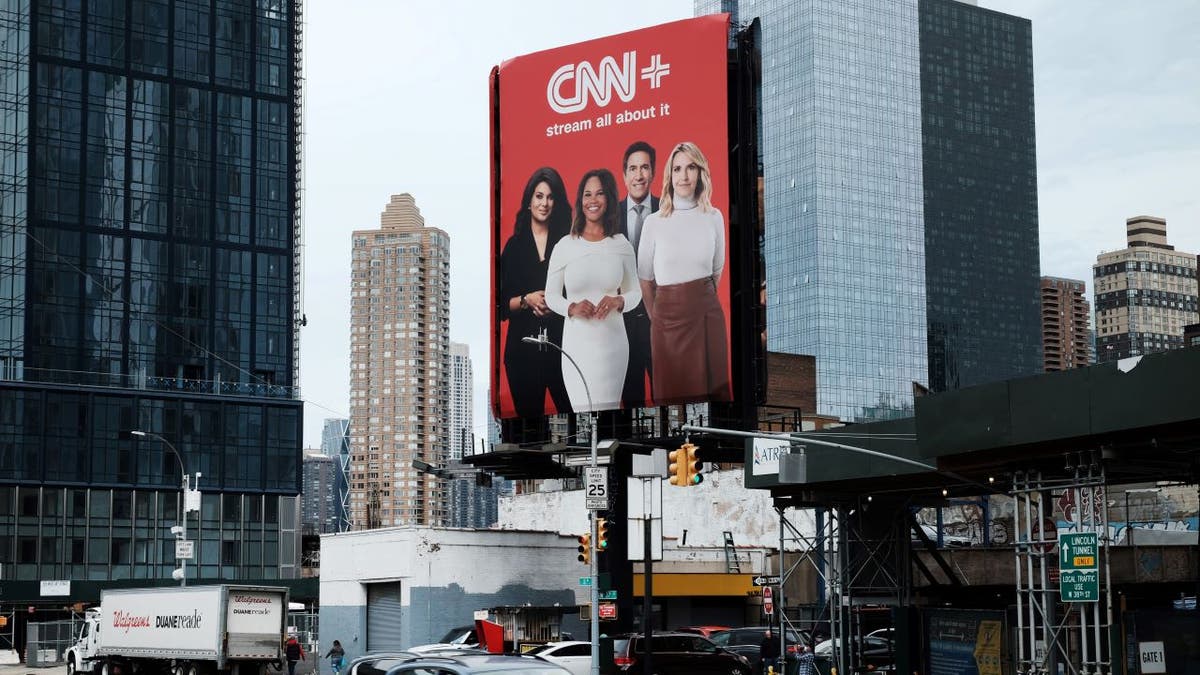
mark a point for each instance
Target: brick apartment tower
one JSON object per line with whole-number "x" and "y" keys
{"x": 399, "y": 369}
{"x": 1145, "y": 293}
{"x": 1065, "y": 309}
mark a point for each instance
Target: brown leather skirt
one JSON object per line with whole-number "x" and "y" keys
{"x": 687, "y": 344}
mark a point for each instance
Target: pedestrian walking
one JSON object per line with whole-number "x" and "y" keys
{"x": 293, "y": 652}
{"x": 336, "y": 656}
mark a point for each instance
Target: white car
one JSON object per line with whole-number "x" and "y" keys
{"x": 574, "y": 655}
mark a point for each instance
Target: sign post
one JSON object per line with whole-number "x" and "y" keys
{"x": 1079, "y": 570}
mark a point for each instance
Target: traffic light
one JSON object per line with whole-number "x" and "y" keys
{"x": 685, "y": 468}
{"x": 601, "y": 534}
{"x": 585, "y": 548}
{"x": 695, "y": 465}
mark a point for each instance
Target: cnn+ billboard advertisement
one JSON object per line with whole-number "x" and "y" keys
{"x": 610, "y": 232}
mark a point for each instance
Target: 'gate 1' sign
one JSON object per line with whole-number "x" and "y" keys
{"x": 1152, "y": 657}
{"x": 1078, "y": 560}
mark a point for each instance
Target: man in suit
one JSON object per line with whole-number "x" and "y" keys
{"x": 638, "y": 171}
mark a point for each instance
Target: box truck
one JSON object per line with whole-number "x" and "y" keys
{"x": 194, "y": 630}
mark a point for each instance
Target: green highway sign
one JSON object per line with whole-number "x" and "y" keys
{"x": 1077, "y": 551}
{"x": 1079, "y": 586}
{"x": 608, "y": 595}
{"x": 1079, "y": 567}
{"x": 585, "y": 581}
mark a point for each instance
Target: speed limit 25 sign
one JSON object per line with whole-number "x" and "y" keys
{"x": 596, "y": 488}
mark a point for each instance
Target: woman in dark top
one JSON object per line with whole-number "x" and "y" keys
{"x": 544, "y": 218}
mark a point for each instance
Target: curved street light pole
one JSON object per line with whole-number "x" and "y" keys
{"x": 594, "y": 610}
{"x": 184, "y": 486}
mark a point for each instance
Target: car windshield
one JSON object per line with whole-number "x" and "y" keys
{"x": 544, "y": 670}
{"x": 458, "y": 636}
{"x": 540, "y": 649}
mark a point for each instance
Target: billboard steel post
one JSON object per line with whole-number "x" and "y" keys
{"x": 594, "y": 611}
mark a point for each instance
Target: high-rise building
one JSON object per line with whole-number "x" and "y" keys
{"x": 335, "y": 443}
{"x": 149, "y": 223}
{"x": 318, "y": 511}
{"x": 1145, "y": 293}
{"x": 462, "y": 399}
{"x": 901, "y": 240}
{"x": 472, "y": 503}
{"x": 1066, "y": 339}
{"x": 399, "y": 368}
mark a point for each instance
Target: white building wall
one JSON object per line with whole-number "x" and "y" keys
{"x": 722, "y": 502}
{"x": 445, "y": 575}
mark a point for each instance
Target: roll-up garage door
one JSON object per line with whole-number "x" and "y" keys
{"x": 383, "y": 617}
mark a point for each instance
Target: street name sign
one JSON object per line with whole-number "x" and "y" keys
{"x": 1078, "y": 562}
{"x": 585, "y": 581}
{"x": 596, "y": 488}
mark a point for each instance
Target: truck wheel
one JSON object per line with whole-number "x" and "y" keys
{"x": 193, "y": 669}
{"x": 70, "y": 664}
{"x": 106, "y": 668}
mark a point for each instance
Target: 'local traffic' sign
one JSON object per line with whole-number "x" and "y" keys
{"x": 1078, "y": 560}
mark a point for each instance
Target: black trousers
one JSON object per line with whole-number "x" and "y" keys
{"x": 637, "y": 328}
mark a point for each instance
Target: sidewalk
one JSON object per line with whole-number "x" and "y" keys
{"x": 22, "y": 669}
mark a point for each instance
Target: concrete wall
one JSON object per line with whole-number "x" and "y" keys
{"x": 720, "y": 503}
{"x": 445, "y": 576}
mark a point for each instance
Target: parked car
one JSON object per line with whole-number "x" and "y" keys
{"x": 574, "y": 655}
{"x": 470, "y": 664}
{"x": 678, "y": 654}
{"x": 463, "y": 636}
{"x": 706, "y": 631}
{"x": 377, "y": 664}
{"x": 748, "y": 641}
{"x": 382, "y": 662}
{"x": 876, "y": 653}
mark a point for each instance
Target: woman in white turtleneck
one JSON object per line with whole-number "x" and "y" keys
{"x": 680, "y": 260}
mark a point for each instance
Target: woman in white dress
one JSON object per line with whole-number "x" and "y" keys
{"x": 597, "y": 268}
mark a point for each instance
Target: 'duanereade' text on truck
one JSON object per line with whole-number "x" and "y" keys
{"x": 197, "y": 630}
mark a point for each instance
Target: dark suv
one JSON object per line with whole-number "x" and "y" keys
{"x": 748, "y": 641}
{"x": 677, "y": 653}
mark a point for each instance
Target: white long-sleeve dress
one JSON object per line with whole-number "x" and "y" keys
{"x": 590, "y": 270}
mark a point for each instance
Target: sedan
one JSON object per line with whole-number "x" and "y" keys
{"x": 574, "y": 655}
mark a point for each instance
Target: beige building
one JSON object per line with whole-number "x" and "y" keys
{"x": 1065, "y": 343}
{"x": 399, "y": 369}
{"x": 1144, "y": 294}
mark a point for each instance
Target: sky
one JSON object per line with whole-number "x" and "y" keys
{"x": 396, "y": 101}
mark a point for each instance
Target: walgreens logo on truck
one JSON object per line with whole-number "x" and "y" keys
{"x": 125, "y": 621}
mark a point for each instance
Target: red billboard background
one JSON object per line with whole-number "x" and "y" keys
{"x": 674, "y": 77}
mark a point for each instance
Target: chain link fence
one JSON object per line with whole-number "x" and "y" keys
{"x": 47, "y": 642}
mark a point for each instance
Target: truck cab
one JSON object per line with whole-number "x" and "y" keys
{"x": 81, "y": 657}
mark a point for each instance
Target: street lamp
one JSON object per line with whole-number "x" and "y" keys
{"x": 594, "y": 610}
{"x": 187, "y": 487}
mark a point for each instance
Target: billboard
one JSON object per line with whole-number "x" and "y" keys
{"x": 610, "y": 223}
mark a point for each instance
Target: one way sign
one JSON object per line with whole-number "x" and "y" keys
{"x": 764, "y": 580}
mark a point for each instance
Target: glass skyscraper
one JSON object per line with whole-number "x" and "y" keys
{"x": 862, "y": 240}
{"x": 148, "y": 275}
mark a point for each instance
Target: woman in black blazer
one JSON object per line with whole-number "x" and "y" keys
{"x": 543, "y": 219}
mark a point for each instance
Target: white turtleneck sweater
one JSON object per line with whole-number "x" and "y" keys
{"x": 685, "y": 246}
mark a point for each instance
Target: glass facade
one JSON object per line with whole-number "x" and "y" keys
{"x": 856, "y": 274}
{"x": 335, "y": 443}
{"x": 148, "y": 166}
{"x": 844, "y": 243}
{"x": 981, "y": 222}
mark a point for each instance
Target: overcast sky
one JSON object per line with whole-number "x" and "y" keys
{"x": 397, "y": 102}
